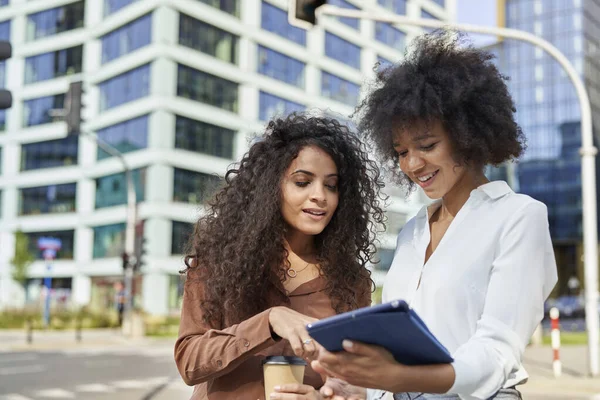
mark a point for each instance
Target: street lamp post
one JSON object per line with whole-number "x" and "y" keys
{"x": 588, "y": 151}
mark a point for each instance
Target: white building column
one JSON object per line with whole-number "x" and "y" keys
{"x": 156, "y": 293}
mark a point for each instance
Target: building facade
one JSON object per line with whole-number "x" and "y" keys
{"x": 180, "y": 87}
{"x": 549, "y": 114}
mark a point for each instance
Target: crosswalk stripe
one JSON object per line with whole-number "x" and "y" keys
{"x": 55, "y": 394}
{"x": 131, "y": 384}
{"x": 95, "y": 388}
{"x": 14, "y": 396}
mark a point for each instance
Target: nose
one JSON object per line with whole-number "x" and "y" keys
{"x": 318, "y": 193}
{"x": 412, "y": 162}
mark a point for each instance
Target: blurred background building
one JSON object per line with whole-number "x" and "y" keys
{"x": 548, "y": 111}
{"x": 180, "y": 86}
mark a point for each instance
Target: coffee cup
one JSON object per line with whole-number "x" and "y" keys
{"x": 280, "y": 370}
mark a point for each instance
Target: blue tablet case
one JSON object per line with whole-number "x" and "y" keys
{"x": 392, "y": 325}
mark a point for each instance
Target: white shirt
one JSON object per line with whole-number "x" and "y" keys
{"x": 482, "y": 291}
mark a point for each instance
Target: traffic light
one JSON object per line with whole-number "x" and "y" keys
{"x": 73, "y": 106}
{"x": 302, "y": 12}
{"x": 5, "y": 95}
{"x": 125, "y": 261}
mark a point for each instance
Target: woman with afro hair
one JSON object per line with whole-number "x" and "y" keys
{"x": 286, "y": 241}
{"x": 477, "y": 264}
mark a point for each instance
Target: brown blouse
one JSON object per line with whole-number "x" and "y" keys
{"x": 225, "y": 363}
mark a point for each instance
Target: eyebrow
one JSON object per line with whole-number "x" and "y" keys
{"x": 302, "y": 171}
{"x": 417, "y": 138}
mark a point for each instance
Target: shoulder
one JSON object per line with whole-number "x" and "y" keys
{"x": 520, "y": 205}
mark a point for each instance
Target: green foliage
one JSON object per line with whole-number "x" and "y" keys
{"x": 59, "y": 319}
{"x": 162, "y": 326}
{"x": 22, "y": 259}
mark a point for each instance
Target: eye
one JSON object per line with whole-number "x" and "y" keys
{"x": 402, "y": 153}
{"x": 333, "y": 188}
{"x": 429, "y": 147}
{"x": 301, "y": 184}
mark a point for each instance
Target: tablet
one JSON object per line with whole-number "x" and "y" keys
{"x": 394, "y": 326}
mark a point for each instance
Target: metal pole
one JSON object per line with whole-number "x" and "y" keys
{"x": 130, "y": 224}
{"x": 588, "y": 151}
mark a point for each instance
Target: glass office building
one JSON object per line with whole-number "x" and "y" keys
{"x": 548, "y": 111}
{"x": 180, "y": 89}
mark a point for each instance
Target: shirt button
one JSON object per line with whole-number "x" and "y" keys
{"x": 219, "y": 363}
{"x": 246, "y": 343}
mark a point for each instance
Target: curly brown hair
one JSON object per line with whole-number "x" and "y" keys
{"x": 443, "y": 78}
{"x": 238, "y": 244}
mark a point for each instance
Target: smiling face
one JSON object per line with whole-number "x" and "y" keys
{"x": 425, "y": 156}
{"x": 310, "y": 191}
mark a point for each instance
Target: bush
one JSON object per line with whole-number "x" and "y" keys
{"x": 59, "y": 319}
{"x": 162, "y": 326}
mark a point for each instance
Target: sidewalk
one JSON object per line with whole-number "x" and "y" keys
{"x": 15, "y": 340}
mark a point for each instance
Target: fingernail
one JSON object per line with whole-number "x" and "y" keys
{"x": 347, "y": 344}
{"x": 278, "y": 388}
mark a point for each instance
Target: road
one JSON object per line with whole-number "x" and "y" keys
{"x": 139, "y": 372}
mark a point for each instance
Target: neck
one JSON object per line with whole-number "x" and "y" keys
{"x": 300, "y": 244}
{"x": 453, "y": 201}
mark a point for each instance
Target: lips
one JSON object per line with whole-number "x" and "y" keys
{"x": 314, "y": 212}
{"x": 426, "y": 179}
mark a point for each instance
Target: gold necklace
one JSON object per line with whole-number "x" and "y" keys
{"x": 292, "y": 273}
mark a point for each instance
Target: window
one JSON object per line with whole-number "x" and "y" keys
{"x": 389, "y": 35}
{"x": 206, "y": 88}
{"x": 441, "y": 3}
{"x": 396, "y": 6}
{"x": 53, "y": 65}
{"x": 339, "y": 89}
{"x": 127, "y": 38}
{"x": 4, "y": 35}
{"x": 180, "y": 236}
{"x": 109, "y": 240}
{"x": 281, "y": 67}
{"x": 55, "y": 20}
{"x": 342, "y": 50}
{"x": 0, "y": 160}
{"x": 126, "y": 136}
{"x": 47, "y": 199}
{"x": 203, "y": 138}
{"x": 384, "y": 258}
{"x": 111, "y": 6}
{"x": 52, "y": 153}
{"x": 271, "y": 106}
{"x": 112, "y": 190}
{"x": 193, "y": 187}
{"x": 121, "y": 89}
{"x": 229, "y": 6}
{"x": 426, "y": 15}
{"x": 383, "y": 63}
{"x": 5, "y": 30}
{"x": 351, "y": 22}
{"x": 208, "y": 39}
{"x": 275, "y": 20}
{"x": 3, "y": 3}
{"x": 36, "y": 111}
{"x": 66, "y": 238}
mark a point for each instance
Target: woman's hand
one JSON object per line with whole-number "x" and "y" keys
{"x": 296, "y": 391}
{"x": 291, "y": 325}
{"x": 361, "y": 365}
{"x": 337, "y": 389}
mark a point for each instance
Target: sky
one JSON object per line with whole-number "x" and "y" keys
{"x": 477, "y": 12}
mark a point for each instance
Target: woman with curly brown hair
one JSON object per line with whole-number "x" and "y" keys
{"x": 478, "y": 263}
{"x": 285, "y": 242}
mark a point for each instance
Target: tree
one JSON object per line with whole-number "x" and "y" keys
{"x": 22, "y": 259}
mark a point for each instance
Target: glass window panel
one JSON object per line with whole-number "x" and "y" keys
{"x": 53, "y": 65}
{"x": 127, "y": 38}
{"x": 208, "y": 39}
{"x": 5, "y": 30}
{"x": 47, "y": 199}
{"x": 271, "y": 105}
{"x": 55, "y": 20}
{"x": 342, "y": 50}
{"x": 109, "y": 240}
{"x": 339, "y": 89}
{"x": 130, "y": 135}
{"x": 3, "y": 3}
{"x": 205, "y": 88}
{"x": 203, "y": 138}
{"x": 66, "y": 237}
{"x": 396, "y": 6}
{"x": 351, "y": 22}
{"x": 180, "y": 236}
{"x": 124, "y": 88}
{"x": 389, "y": 35}
{"x": 112, "y": 6}
{"x": 281, "y": 67}
{"x": 194, "y": 187}
{"x": 48, "y": 154}
{"x": 111, "y": 190}
{"x": 274, "y": 19}
{"x": 36, "y": 111}
{"x": 229, "y": 6}
{"x": 441, "y": 3}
